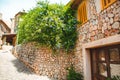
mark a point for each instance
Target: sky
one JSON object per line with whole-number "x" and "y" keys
{"x": 9, "y": 8}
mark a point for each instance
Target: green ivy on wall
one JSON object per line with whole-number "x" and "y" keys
{"x": 53, "y": 25}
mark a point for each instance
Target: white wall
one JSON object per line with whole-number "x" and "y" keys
{"x": 12, "y": 25}
{"x": 0, "y": 15}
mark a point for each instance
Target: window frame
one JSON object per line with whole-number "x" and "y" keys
{"x": 83, "y": 9}
{"x": 107, "y": 3}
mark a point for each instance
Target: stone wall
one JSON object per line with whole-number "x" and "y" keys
{"x": 99, "y": 25}
{"x": 43, "y": 62}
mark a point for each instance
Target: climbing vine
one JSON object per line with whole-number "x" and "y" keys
{"x": 53, "y": 25}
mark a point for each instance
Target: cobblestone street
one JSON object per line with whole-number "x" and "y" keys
{"x": 12, "y": 69}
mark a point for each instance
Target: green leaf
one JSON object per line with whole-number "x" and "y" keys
{"x": 53, "y": 25}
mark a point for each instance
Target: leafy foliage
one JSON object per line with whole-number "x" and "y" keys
{"x": 69, "y": 30}
{"x": 52, "y": 25}
{"x": 73, "y": 75}
{"x": 114, "y": 78}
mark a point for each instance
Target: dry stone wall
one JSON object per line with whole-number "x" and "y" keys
{"x": 43, "y": 62}
{"x": 100, "y": 25}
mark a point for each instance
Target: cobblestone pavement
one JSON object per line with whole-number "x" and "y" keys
{"x": 12, "y": 69}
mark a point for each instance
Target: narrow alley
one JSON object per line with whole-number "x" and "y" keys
{"x": 12, "y": 69}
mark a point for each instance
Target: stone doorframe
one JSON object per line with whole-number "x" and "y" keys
{"x": 112, "y": 40}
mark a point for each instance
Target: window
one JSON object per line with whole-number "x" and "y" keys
{"x": 106, "y": 3}
{"x": 82, "y": 13}
{"x": 105, "y": 62}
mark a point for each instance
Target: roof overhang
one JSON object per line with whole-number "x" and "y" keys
{"x": 20, "y": 13}
{"x": 5, "y": 25}
{"x": 75, "y": 3}
{"x": 9, "y": 37}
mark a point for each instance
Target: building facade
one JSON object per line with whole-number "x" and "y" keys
{"x": 4, "y": 28}
{"x": 11, "y": 36}
{"x": 98, "y": 44}
{"x": 17, "y": 19}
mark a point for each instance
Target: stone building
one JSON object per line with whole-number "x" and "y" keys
{"x": 98, "y": 46}
{"x": 97, "y": 52}
{"x": 4, "y": 28}
{"x": 17, "y": 18}
{"x": 11, "y": 36}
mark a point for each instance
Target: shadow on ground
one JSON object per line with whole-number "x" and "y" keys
{"x": 21, "y": 67}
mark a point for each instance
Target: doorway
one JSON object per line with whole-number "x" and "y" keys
{"x": 105, "y": 62}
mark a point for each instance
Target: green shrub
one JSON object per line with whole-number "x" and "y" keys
{"x": 114, "y": 78}
{"x": 53, "y": 25}
{"x": 73, "y": 75}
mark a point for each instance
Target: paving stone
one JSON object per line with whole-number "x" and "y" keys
{"x": 12, "y": 69}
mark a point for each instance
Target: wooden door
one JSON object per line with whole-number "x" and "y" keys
{"x": 105, "y": 62}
